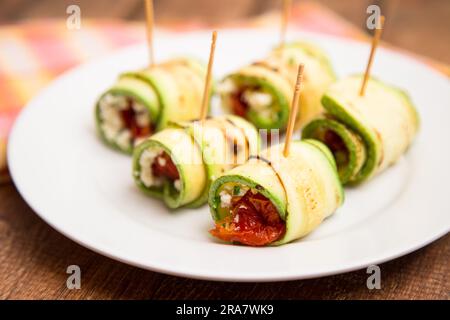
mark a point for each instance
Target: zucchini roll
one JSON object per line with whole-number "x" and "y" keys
{"x": 366, "y": 134}
{"x": 262, "y": 91}
{"x": 272, "y": 199}
{"x": 143, "y": 102}
{"x": 179, "y": 163}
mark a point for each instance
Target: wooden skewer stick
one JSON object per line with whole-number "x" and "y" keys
{"x": 375, "y": 41}
{"x": 150, "y": 22}
{"x": 285, "y": 20}
{"x": 207, "y": 90}
{"x": 294, "y": 110}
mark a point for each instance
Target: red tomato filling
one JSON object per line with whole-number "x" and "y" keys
{"x": 337, "y": 147}
{"x": 163, "y": 166}
{"x": 129, "y": 119}
{"x": 238, "y": 104}
{"x": 253, "y": 221}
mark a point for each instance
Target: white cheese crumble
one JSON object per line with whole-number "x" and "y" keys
{"x": 162, "y": 161}
{"x": 109, "y": 131}
{"x": 268, "y": 114}
{"x": 110, "y": 117}
{"x": 123, "y": 139}
{"x": 225, "y": 199}
{"x": 111, "y": 121}
{"x": 257, "y": 100}
{"x": 146, "y": 175}
{"x": 115, "y": 101}
{"x": 143, "y": 119}
{"x": 146, "y": 161}
{"x": 142, "y": 114}
{"x": 112, "y": 124}
{"x": 139, "y": 107}
{"x": 226, "y": 87}
{"x": 177, "y": 184}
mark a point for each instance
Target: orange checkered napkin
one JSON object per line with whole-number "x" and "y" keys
{"x": 33, "y": 53}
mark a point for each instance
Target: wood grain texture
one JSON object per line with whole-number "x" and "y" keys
{"x": 34, "y": 257}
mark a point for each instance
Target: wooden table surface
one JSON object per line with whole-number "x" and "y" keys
{"x": 34, "y": 257}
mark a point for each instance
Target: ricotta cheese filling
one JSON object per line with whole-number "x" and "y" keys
{"x": 156, "y": 169}
{"x": 229, "y": 191}
{"x": 261, "y": 103}
{"x": 124, "y": 121}
{"x": 245, "y": 98}
{"x": 146, "y": 175}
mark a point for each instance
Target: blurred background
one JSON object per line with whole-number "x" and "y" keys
{"x": 422, "y": 26}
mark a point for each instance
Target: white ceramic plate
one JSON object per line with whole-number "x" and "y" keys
{"x": 85, "y": 190}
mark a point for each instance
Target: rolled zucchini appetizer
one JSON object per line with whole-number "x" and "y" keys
{"x": 366, "y": 134}
{"x": 272, "y": 199}
{"x": 262, "y": 91}
{"x": 143, "y": 102}
{"x": 179, "y": 163}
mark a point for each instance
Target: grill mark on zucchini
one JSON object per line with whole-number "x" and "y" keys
{"x": 247, "y": 142}
{"x": 223, "y": 130}
{"x": 269, "y": 163}
{"x": 267, "y": 66}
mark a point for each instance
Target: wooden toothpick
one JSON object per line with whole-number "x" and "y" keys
{"x": 285, "y": 20}
{"x": 375, "y": 41}
{"x": 150, "y": 22}
{"x": 294, "y": 111}
{"x": 204, "y": 110}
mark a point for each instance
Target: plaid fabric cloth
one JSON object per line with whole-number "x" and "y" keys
{"x": 32, "y": 54}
